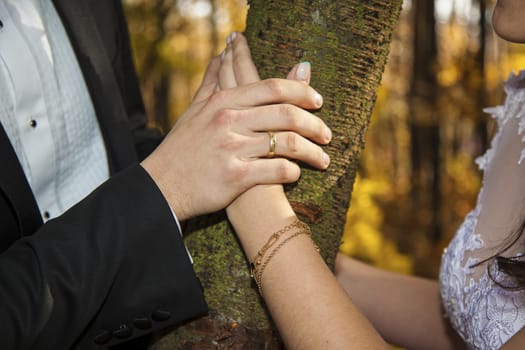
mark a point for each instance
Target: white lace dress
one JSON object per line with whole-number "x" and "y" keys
{"x": 485, "y": 315}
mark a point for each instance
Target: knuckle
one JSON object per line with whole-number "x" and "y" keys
{"x": 292, "y": 142}
{"x": 224, "y": 117}
{"x": 283, "y": 173}
{"x": 287, "y": 172}
{"x": 287, "y": 112}
{"x": 275, "y": 87}
{"x": 238, "y": 172}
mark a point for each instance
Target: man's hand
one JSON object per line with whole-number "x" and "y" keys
{"x": 218, "y": 148}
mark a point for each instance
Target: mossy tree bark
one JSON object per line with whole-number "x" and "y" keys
{"x": 347, "y": 43}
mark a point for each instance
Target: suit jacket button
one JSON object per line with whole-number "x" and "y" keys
{"x": 123, "y": 332}
{"x": 161, "y": 315}
{"x": 102, "y": 337}
{"x": 142, "y": 323}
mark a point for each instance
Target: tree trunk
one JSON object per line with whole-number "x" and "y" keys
{"x": 425, "y": 131}
{"x": 347, "y": 43}
{"x": 481, "y": 120}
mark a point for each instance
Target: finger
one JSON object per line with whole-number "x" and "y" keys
{"x": 272, "y": 91}
{"x": 243, "y": 66}
{"x": 292, "y": 146}
{"x": 286, "y": 145}
{"x": 226, "y": 75}
{"x": 209, "y": 80}
{"x": 282, "y": 117}
{"x": 270, "y": 171}
{"x": 301, "y": 72}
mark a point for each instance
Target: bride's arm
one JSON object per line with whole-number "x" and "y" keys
{"x": 309, "y": 307}
{"x": 406, "y": 310}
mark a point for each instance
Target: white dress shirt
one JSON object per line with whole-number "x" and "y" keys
{"x": 46, "y": 110}
{"x": 45, "y": 107}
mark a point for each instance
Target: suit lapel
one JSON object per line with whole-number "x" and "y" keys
{"x": 78, "y": 18}
{"x": 14, "y": 185}
{"x": 107, "y": 100}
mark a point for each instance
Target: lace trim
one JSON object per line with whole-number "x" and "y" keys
{"x": 514, "y": 106}
{"x": 482, "y": 313}
{"x": 485, "y": 315}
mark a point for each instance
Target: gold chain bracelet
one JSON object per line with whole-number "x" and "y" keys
{"x": 260, "y": 262}
{"x": 257, "y": 261}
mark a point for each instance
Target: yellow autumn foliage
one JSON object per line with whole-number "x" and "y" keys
{"x": 363, "y": 237}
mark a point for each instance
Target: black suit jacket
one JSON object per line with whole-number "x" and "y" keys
{"x": 114, "y": 266}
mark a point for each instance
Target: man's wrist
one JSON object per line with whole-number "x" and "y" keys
{"x": 159, "y": 176}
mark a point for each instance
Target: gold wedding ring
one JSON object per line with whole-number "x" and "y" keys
{"x": 273, "y": 144}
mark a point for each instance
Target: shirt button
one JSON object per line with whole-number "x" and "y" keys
{"x": 1, "y": 24}
{"x": 33, "y": 123}
{"x": 47, "y": 215}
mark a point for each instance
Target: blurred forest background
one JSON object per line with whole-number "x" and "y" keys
{"x": 418, "y": 176}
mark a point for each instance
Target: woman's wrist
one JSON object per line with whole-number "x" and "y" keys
{"x": 257, "y": 214}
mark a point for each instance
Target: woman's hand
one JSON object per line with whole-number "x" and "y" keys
{"x": 218, "y": 148}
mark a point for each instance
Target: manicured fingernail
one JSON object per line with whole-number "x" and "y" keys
{"x": 326, "y": 159}
{"x": 318, "y": 100}
{"x": 223, "y": 54}
{"x": 303, "y": 71}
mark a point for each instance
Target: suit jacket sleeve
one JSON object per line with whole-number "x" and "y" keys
{"x": 112, "y": 268}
